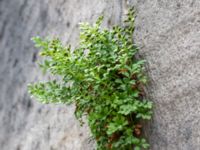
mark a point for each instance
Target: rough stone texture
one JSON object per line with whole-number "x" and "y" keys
{"x": 168, "y": 33}
{"x": 24, "y": 123}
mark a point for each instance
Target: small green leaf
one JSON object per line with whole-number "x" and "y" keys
{"x": 137, "y": 148}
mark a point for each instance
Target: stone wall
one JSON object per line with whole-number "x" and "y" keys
{"x": 168, "y": 33}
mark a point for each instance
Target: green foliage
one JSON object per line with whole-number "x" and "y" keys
{"x": 103, "y": 79}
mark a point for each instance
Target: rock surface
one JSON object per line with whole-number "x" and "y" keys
{"x": 168, "y": 33}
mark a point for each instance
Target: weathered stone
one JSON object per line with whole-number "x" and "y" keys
{"x": 168, "y": 33}
{"x": 26, "y": 124}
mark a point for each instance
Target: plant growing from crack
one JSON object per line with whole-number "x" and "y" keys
{"x": 103, "y": 79}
